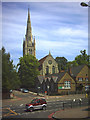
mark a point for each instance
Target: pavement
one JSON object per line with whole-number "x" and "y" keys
{"x": 63, "y": 97}
{"x": 48, "y": 98}
{"x": 79, "y": 112}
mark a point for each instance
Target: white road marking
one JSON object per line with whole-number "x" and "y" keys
{"x": 21, "y": 105}
{"x": 68, "y": 99}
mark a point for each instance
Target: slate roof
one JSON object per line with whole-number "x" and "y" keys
{"x": 41, "y": 78}
{"x": 41, "y": 62}
{"x": 57, "y": 76}
{"x": 43, "y": 59}
{"x": 76, "y": 70}
{"x": 61, "y": 75}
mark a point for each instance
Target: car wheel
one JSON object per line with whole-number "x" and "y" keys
{"x": 27, "y": 110}
{"x": 44, "y": 108}
{"x": 31, "y": 109}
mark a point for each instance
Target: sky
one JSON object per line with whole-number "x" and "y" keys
{"x": 58, "y": 27}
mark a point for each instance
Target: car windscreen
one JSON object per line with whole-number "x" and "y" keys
{"x": 43, "y": 100}
{"x": 33, "y": 101}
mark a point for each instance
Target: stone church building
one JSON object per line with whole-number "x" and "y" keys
{"x": 48, "y": 65}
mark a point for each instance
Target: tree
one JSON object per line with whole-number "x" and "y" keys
{"x": 10, "y": 79}
{"x": 28, "y": 71}
{"x": 83, "y": 58}
{"x": 62, "y": 61}
{"x": 72, "y": 63}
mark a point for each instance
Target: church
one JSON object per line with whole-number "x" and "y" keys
{"x": 50, "y": 79}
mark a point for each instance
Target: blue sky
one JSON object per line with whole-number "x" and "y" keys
{"x": 61, "y": 28}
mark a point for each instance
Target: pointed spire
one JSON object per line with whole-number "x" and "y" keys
{"x": 28, "y": 15}
{"x": 49, "y": 52}
{"x": 29, "y": 29}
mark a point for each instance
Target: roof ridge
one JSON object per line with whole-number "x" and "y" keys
{"x": 42, "y": 59}
{"x": 76, "y": 69}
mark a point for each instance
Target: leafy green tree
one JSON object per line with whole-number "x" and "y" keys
{"x": 72, "y": 63}
{"x": 10, "y": 79}
{"x": 28, "y": 71}
{"x": 62, "y": 62}
{"x": 83, "y": 58}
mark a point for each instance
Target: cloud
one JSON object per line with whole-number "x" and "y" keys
{"x": 71, "y": 32}
{"x": 61, "y": 28}
{"x": 70, "y": 43}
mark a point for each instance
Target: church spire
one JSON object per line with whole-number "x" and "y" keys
{"x": 29, "y": 29}
{"x": 49, "y": 52}
{"x": 28, "y": 15}
{"x": 29, "y": 42}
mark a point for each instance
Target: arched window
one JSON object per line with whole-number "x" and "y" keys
{"x": 47, "y": 70}
{"x": 53, "y": 70}
{"x": 31, "y": 51}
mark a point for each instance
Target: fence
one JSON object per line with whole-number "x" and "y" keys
{"x": 76, "y": 103}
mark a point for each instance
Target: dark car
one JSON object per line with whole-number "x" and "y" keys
{"x": 25, "y": 91}
{"x": 21, "y": 89}
{"x": 36, "y": 104}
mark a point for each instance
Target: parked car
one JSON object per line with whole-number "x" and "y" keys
{"x": 11, "y": 91}
{"x": 36, "y": 104}
{"x": 25, "y": 91}
{"x": 21, "y": 89}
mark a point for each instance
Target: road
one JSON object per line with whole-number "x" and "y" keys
{"x": 16, "y": 109}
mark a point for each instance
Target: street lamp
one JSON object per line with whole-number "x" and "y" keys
{"x": 48, "y": 88}
{"x": 83, "y": 4}
{"x": 38, "y": 89}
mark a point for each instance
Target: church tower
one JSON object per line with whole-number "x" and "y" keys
{"x": 29, "y": 42}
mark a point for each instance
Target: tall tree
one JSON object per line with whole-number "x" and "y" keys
{"x": 83, "y": 58}
{"x": 10, "y": 79}
{"x": 72, "y": 63}
{"x": 28, "y": 71}
{"x": 62, "y": 61}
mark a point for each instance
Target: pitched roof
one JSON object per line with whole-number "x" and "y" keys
{"x": 57, "y": 76}
{"x": 41, "y": 78}
{"x": 61, "y": 75}
{"x": 43, "y": 59}
{"x": 75, "y": 70}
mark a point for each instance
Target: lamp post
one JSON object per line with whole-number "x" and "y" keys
{"x": 48, "y": 88}
{"x": 38, "y": 90}
{"x": 83, "y": 4}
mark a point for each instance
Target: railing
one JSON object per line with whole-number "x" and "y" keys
{"x": 76, "y": 103}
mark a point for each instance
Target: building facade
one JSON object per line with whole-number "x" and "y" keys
{"x": 29, "y": 42}
{"x": 48, "y": 65}
{"x": 59, "y": 83}
{"x": 81, "y": 76}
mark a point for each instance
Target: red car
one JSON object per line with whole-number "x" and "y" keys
{"x": 36, "y": 104}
